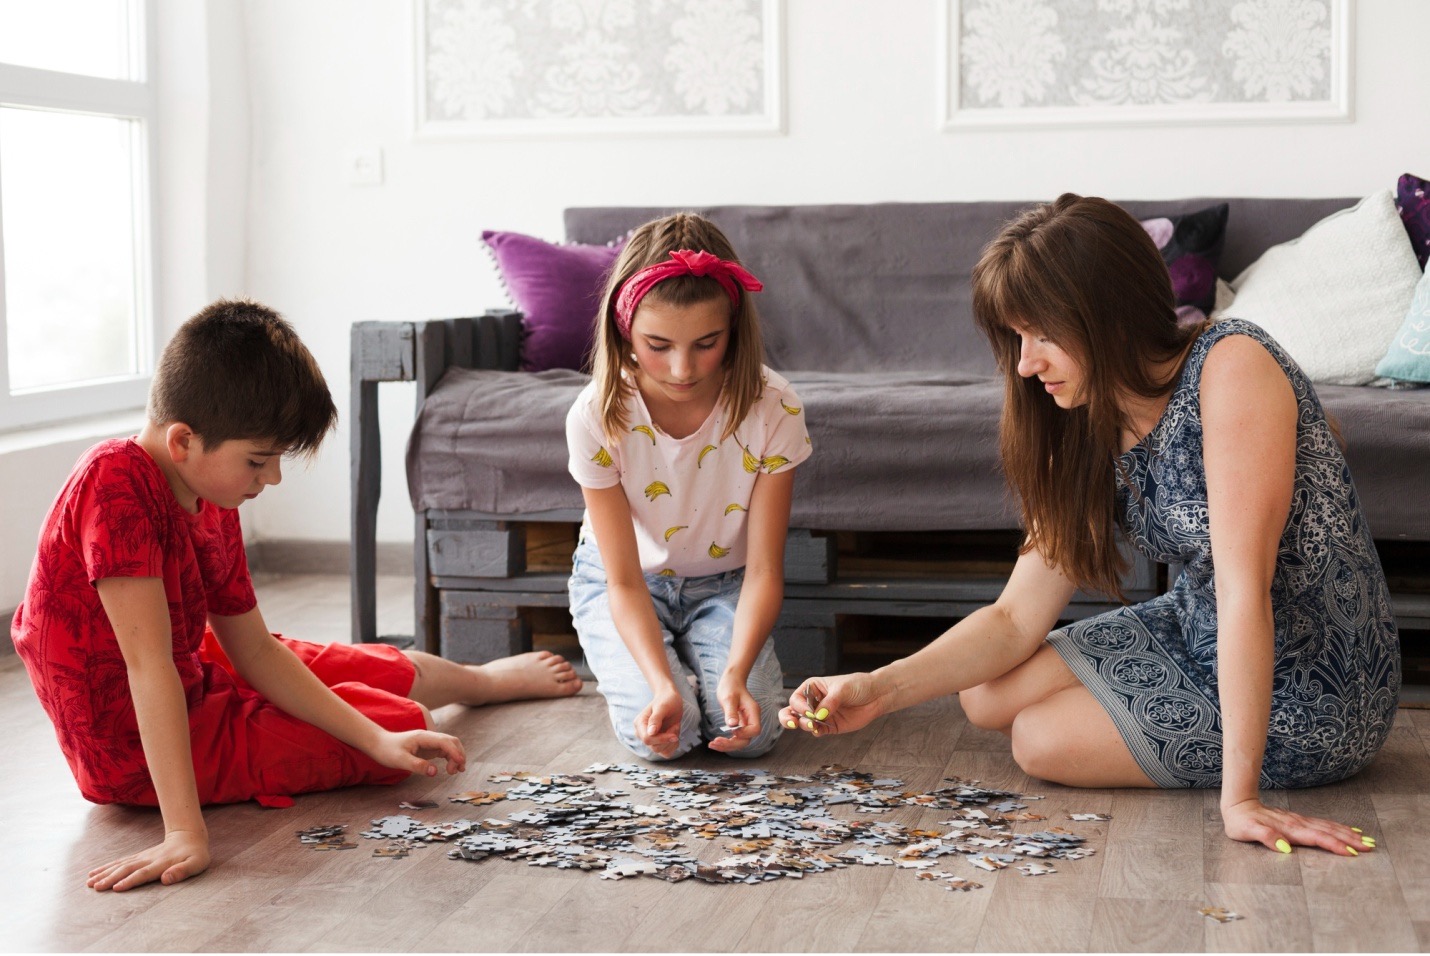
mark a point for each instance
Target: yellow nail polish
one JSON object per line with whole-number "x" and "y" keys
{"x": 1353, "y": 851}
{"x": 1283, "y": 846}
{"x": 1368, "y": 841}
{"x": 1357, "y": 829}
{"x": 822, "y": 713}
{"x": 791, "y": 724}
{"x": 810, "y": 715}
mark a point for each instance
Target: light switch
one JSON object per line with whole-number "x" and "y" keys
{"x": 363, "y": 166}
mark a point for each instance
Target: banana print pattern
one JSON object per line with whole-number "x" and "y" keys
{"x": 773, "y": 440}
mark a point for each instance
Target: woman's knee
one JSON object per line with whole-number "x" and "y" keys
{"x": 1037, "y": 747}
{"x": 985, "y": 708}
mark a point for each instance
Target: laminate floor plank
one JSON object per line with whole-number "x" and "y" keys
{"x": 827, "y": 912}
{"x": 1054, "y": 926}
{"x": 1406, "y": 818}
{"x": 1274, "y": 919}
{"x": 1161, "y": 857}
{"x": 500, "y": 915}
{"x": 1146, "y": 926}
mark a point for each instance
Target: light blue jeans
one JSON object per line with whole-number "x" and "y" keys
{"x": 697, "y": 619}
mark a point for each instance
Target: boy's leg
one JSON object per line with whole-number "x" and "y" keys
{"x": 440, "y": 682}
{"x": 705, "y": 645}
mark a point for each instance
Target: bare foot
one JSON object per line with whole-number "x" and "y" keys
{"x": 524, "y": 676}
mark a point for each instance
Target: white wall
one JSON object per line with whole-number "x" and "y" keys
{"x": 258, "y": 205}
{"x": 201, "y": 167}
{"x": 327, "y": 75}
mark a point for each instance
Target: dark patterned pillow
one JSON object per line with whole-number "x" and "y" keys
{"x": 1191, "y": 245}
{"x": 1412, "y": 199}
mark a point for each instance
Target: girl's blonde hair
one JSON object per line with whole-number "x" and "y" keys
{"x": 1085, "y": 274}
{"x": 612, "y": 354}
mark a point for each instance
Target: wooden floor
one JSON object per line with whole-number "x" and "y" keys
{"x": 1159, "y": 860}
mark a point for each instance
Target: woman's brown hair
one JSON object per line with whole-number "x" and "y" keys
{"x": 612, "y": 355}
{"x": 1083, "y": 273}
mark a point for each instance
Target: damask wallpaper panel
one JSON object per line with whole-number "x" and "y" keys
{"x": 1070, "y": 62}
{"x": 519, "y": 67}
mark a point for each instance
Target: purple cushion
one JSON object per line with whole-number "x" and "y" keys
{"x": 1412, "y": 198}
{"x": 558, "y": 289}
{"x": 1191, "y": 245}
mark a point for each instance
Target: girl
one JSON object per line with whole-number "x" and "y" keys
{"x": 1272, "y": 662}
{"x": 685, "y": 446}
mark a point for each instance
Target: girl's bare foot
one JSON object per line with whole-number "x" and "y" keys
{"x": 523, "y": 676}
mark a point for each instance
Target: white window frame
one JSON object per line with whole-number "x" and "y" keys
{"x": 136, "y": 99}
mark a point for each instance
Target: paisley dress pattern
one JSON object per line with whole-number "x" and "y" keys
{"x": 1153, "y": 666}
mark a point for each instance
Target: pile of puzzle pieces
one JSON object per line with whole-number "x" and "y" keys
{"x": 781, "y": 825}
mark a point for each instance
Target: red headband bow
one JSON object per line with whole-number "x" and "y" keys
{"x": 682, "y": 262}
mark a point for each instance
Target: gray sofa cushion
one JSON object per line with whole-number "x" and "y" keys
{"x": 1387, "y": 437}
{"x": 885, "y": 286}
{"x": 893, "y": 451}
{"x": 903, "y": 408}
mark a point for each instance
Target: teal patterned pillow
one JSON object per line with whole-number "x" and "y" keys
{"x": 1408, "y": 359}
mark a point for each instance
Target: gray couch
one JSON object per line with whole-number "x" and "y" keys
{"x": 867, "y": 311}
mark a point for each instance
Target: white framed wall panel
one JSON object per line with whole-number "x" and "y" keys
{"x": 1054, "y": 63}
{"x": 514, "y": 68}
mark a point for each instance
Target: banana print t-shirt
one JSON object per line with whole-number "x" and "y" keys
{"x": 689, "y": 497}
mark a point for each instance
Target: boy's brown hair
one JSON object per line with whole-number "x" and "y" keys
{"x": 238, "y": 370}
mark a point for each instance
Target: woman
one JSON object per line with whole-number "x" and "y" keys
{"x": 1272, "y": 662}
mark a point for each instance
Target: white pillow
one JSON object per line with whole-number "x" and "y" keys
{"x": 1335, "y": 297}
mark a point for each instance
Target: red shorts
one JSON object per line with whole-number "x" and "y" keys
{"x": 245, "y": 747}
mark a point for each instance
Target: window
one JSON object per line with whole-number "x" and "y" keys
{"x": 77, "y": 118}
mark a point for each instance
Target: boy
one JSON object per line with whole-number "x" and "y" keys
{"x": 141, "y": 632}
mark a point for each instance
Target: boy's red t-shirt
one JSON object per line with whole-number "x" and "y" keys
{"x": 117, "y": 517}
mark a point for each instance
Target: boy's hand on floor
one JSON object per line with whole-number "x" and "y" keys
{"x": 414, "y": 751}
{"x": 184, "y": 853}
{"x": 658, "y": 726}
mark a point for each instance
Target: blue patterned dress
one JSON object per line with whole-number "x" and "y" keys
{"x": 1153, "y": 666}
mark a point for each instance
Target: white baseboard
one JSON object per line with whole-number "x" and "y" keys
{"x": 301, "y": 556}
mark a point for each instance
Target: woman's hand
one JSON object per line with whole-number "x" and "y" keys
{"x": 658, "y": 726}
{"x": 414, "y": 751}
{"x": 184, "y": 853}
{"x": 834, "y": 705}
{"x": 741, "y": 712}
{"x": 1251, "y": 821}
